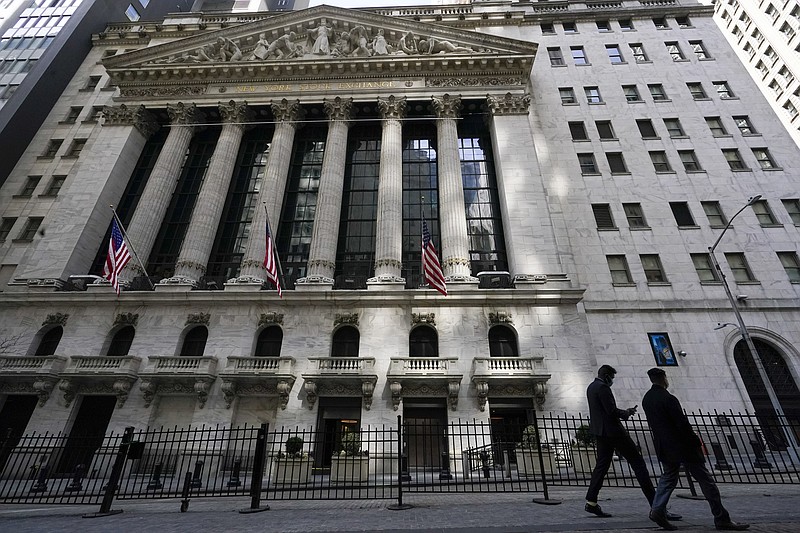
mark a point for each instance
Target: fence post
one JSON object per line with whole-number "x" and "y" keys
{"x": 257, "y": 478}
{"x": 197, "y": 482}
{"x": 155, "y": 481}
{"x": 113, "y": 480}
{"x": 399, "y": 506}
{"x": 187, "y": 487}
{"x": 546, "y": 500}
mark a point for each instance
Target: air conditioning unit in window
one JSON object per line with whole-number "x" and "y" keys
{"x": 495, "y": 280}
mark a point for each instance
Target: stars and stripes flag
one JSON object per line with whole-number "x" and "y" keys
{"x": 118, "y": 256}
{"x": 271, "y": 263}
{"x": 431, "y": 268}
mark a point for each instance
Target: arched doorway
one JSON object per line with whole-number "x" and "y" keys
{"x": 782, "y": 382}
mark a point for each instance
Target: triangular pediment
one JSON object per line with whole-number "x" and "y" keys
{"x": 319, "y": 42}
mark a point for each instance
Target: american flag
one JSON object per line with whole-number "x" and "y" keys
{"x": 431, "y": 268}
{"x": 118, "y": 256}
{"x": 271, "y": 264}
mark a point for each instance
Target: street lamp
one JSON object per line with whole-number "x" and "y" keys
{"x": 762, "y": 372}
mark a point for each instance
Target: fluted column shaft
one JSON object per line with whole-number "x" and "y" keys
{"x": 199, "y": 239}
{"x": 452, "y": 213}
{"x": 389, "y": 239}
{"x": 322, "y": 254}
{"x": 152, "y": 206}
{"x": 273, "y": 187}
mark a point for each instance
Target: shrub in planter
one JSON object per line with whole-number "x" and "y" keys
{"x": 528, "y": 454}
{"x": 293, "y": 466}
{"x": 350, "y": 463}
{"x": 584, "y": 455}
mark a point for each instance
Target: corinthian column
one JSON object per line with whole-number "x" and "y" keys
{"x": 152, "y": 207}
{"x": 286, "y": 114}
{"x": 389, "y": 240}
{"x": 322, "y": 255}
{"x": 452, "y": 213}
{"x": 196, "y": 247}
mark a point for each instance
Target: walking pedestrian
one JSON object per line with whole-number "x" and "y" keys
{"x": 676, "y": 443}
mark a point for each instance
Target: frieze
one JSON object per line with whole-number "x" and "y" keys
{"x": 268, "y": 319}
{"x": 351, "y": 319}
{"x": 126, "y": 319}
{"x": 56, "y": 319}
{"x": 162, "y": 91}
{"x": 198, "y": 318}
{"x": 477, "y": 81}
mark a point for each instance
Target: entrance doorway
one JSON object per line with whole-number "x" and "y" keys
{"x": 14, "y": 417}
{"x": 509, "y": 418}
{"x": 337, "y": 416}
{"x": 87, "y": 432}
{"x": 425, "y": 429}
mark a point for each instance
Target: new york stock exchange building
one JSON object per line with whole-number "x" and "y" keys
{"x": 571, "y": 171}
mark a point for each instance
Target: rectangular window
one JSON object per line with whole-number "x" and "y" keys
{"x": 675, "y": 51}
{"x": 764, "y": 158}
{"x": 603, "y": 217}
{"x": 653, "y": 270}
{"x": 605, "y": 129}
{"x": 689, "y": 160}
{"x": 697, "y": 91}
{"x": 616, "y": 162}
{"x": 660, "y": 161}
{"x": 657, "y": 92}
{"x": 579, "y": 55}
{"x": 674, "y": 127}
{"x": 739, "y": 267}
{"x": 567, "y": 95}
{"x": 588, "y": 164}
{"x": 713, "y": 211}
{"x": 30, "y": 185}
{"x": 29, "y": 231}
{"x": 764, "y": 213}
{"x": 548, "y": 28}
{"x": 631, "y": 93}
{"x": 699, "y": 50}
{"x": 635, "y": 215}
{"x": 593, "y": 95}
{"x": 723, "y": 89}
{"x": 792, "y": 206}
{"x": 704, "y": 268}
{"x": 578, "y": 131}
{"x": 94, "y": 114}
{"x": 620, "y": 273}
{"x": 791, "y": 264}
{"x": 683, "y": 22}
{"x": 570, "y": 27}
{"x": 556, "y": 57}
{"x": 682, "y": 213}
{"x": 55, "y": 185}
{"x": 660, "y": 23}
{"x": 625, "y": 24}
{"x": 639, "y": 55}
{"x": 791, "y": 110}
{"x": 76, "y": 147}
{"x": 646, "y": 128}
{"x": 603, "y": 25}
{"x": 72, "y": 116}
{"x": 92, "y": 83}
{"x": 5, "y": 227}
{"x": 52, "y": 148}
{"x": 614, "y": 53}
{"x": 744, "y": 125}
{"x": 716, "y": 126}
{"x": 734, "y": 159}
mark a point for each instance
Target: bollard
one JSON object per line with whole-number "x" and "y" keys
{"x": 77, "y": 479}
{"x": 761, "y": 458}
{"x": 444, "y": 472}
{"x": 187, "y": 486}
{"x": 719, "y": 454}
{"x": 506, "y": 464}
{"x": 485, "y": 463}
{"x": 237, "y": 470}
{"x": 41, "y": 480}
{"x": 155, "y": 481}
{"x": 258, "y": 473}
{"x": 113, "y": 480}
{"x": 198, "y": 471}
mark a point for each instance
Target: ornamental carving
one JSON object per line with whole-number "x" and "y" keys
{"x": 181, "y": 113}
{"x": 481, "y": 81}
{"x": 162, "y": 91}
{"x": 390, "y": 263}
{"x": 338, "y": 108}
{"x": 268, "y": 319}
{"x": 509, "y": 104}
{"x": 234, "y": 113}
{"x": 447, "y": 106}
{"x": 198, "y": 318}
{"x": 311, "y": 393}
{"x": 500, "y": 317}
{"x": 540, "y": 393}
{"x": 287, "y": 111}
{"x": 138, "y": 117}
{"x": 201, "y": 388}
{"x": 126, "y": 319}
{"x": 423, "y": 318}
{"x": 393, "y": 107}
{"x": 350, "y": 319}
{"x": 43, "y": 388}
{"x": 482, "y": 392}
{"x": 56, "y": 319}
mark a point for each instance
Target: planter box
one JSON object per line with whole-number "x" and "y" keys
{"x": 528, "y": 462}
{"x": 292, "y": 471}
{"x": 583, "y": 459}
{"x": 349, "y": 469}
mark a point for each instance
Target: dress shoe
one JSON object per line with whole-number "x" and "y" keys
{"x": 730, "y": 525}
{"x": 661, "y": 520}
{"x": 596, "y": 510}
{"x": 674, "y": 517}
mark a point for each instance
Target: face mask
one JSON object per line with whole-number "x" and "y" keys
{"x": 609, "y": 380}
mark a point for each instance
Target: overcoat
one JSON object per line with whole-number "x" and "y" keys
{"x": 675, "y": 440}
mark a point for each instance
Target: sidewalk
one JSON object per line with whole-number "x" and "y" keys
{"x": 770, "y": 508}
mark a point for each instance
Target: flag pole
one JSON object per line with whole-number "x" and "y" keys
{"x": 275, "y": 247}
{"x": 130, "y": 245}
{"x": 421, "y": 256}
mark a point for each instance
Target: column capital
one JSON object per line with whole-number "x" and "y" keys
{"x": 393, "y": 107}
{"x": 137, "y": 117}
{"x": 508, "y": 104}
{"x": 181, "y": 113}
{"x": 338, "y": 108}
{"x": 287, "y": 111}
{"x": 447, "y": 106}
{"x": 235, "y": 113}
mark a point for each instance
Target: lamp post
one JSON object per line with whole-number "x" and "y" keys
{"x": 762, "y": 372}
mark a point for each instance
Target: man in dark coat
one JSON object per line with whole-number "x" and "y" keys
{"x": 605, "y": 425}
{"x": 676, "y": 443}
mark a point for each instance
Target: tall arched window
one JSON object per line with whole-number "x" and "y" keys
{"x": 194, "y": 344}
{"x": 49, "y": 342}
{"x": 345, "y": 342}
{"x": 121, "y": 343}
{"x": 502, "y": 342}
{"x": 269, "y": 342}
{"x": 423, "y": 342}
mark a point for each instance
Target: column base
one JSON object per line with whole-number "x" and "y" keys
{"x": 174, "y": 286}
{"x": 178, "y": 280}
{"x": 385, "y": 282}
{"x": 461, "y": 279}
{"x": 523, "y": 280}
{"x": 314, "y": 283}
{"x": 243, "y": 286}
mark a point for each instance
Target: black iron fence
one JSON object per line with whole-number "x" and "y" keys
{"x": 348, "y": 462}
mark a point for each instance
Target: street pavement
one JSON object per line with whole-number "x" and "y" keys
{"x": 769, "y": 508}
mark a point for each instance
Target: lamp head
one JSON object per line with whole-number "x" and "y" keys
{"x": 720, "y": 325}
{"x": 753, "y": 199}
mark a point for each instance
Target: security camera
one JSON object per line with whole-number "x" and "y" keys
{"x": 682, "y": 353}
{"x": 741, "y": 297}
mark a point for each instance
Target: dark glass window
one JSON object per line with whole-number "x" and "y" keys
{"x": 121, "y": 343}
{"x": 502, "y": 342}
{"x": 423, "y": 342}
{"x": 49, "y": 342}
{"x": 269, "y": 342}
{"x": 345, "y": 342}
{"x": 194, "y": 344}
{"x": 300, "y": 204}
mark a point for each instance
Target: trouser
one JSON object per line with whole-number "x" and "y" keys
{"x": 605, "y": 454}
{"x": 669, "y": 480}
